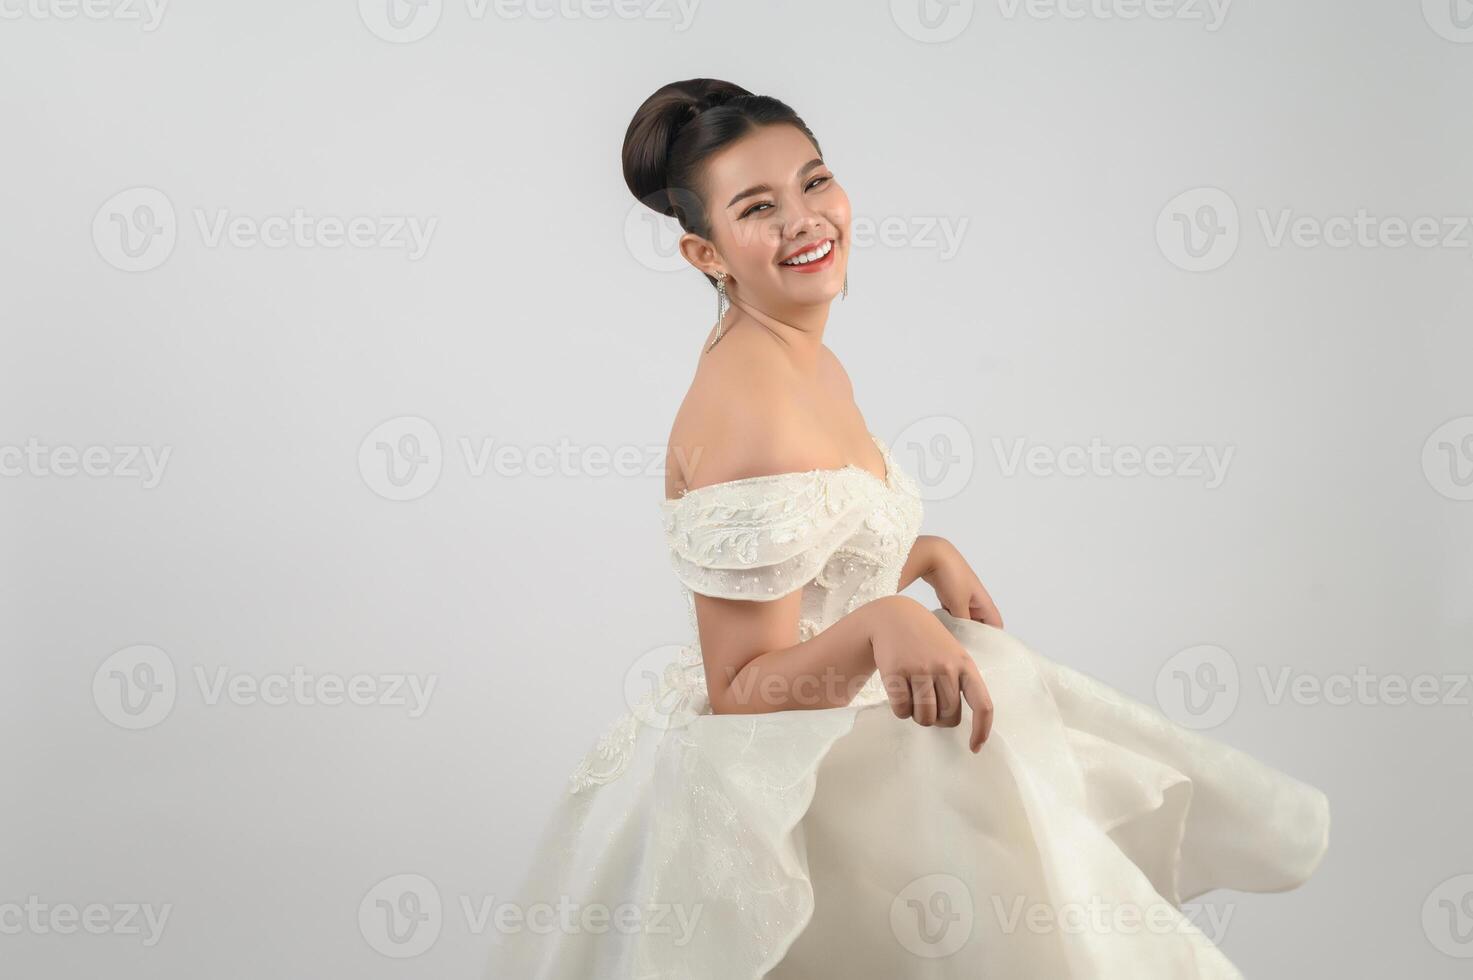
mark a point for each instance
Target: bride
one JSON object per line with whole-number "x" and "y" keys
{"x": 833, "y": 780}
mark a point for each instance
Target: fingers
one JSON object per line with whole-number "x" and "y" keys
{"x": 978, "y": 606}
{"x": 900, "y": 698}
{"x": 948, "y": 701}
{"x": 956, "y": 605}
{"x": 930, "y": 700}
{"x": 923, "y": 694}
{"x": 983, "y": 609}
{"x": 980, "y": 701}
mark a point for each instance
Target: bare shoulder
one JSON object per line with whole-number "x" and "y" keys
{"x": 834, "y": 373}
{"x": 742, "y": 417}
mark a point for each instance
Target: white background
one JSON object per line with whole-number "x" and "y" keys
{"x": 1055, "y": 139}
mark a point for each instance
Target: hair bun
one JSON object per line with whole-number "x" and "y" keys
{"x": 656, "y": 126}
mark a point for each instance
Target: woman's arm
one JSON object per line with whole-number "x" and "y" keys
{"x": 921, "y": 561}
{"x": 753, "y": 666}
{"x": 940, "y": 565}
{"x": 927, "y": 674}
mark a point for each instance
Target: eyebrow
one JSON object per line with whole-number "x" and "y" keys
{"x": 766, "y": 188}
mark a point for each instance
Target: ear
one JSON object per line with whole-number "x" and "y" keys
{"x": 700, "y": 253}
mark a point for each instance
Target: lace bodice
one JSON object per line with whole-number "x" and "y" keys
{"x": 841, "y": 535}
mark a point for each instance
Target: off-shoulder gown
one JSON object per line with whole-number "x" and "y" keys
{"x": 846, "y": 843}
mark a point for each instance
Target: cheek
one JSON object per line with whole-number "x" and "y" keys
{"x": 839, "y": 210}
{"x": 751, "y": 243}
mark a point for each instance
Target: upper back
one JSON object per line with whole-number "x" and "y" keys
{"x": 751, "y": 413}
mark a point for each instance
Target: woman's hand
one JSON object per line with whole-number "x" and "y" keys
{"x": 926, "y": 671}
{"x": 958, "y": 588}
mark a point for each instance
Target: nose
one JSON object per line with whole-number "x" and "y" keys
{"x": 802, "y": 222}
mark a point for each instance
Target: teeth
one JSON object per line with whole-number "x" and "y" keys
{"x": 807, "y": 257}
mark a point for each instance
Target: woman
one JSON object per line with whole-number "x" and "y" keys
{"x": 760, "y": 814}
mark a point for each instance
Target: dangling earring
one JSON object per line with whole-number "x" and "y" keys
{"x": 846, "y": 283}
{"x": 722, "y": 304}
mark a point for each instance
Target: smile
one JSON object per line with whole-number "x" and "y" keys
{"x": 820, "y": 256}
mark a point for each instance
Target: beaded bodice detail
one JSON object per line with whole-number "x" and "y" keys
{"x": 840, "y": 535}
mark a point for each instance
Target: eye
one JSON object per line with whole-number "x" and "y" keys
{"x": 760, "y": 205}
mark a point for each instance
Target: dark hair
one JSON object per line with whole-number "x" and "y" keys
{"x": 676, "y": 130}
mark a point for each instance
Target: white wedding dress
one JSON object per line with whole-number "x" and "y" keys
{"x": 845, "y": 843}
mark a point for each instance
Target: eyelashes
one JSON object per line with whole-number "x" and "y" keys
{"x": 817, "y": 181}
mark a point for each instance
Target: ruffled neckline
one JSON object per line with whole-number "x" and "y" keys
{"x": 888, "y": 481}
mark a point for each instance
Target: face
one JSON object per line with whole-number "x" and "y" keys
{"x": 769, "y": 197}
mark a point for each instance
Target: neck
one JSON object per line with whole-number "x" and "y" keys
{"x": 799, "y": 331}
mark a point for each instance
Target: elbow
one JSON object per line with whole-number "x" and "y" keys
{"x": 721, "y": 703}
{"x": 726, "y": 702}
